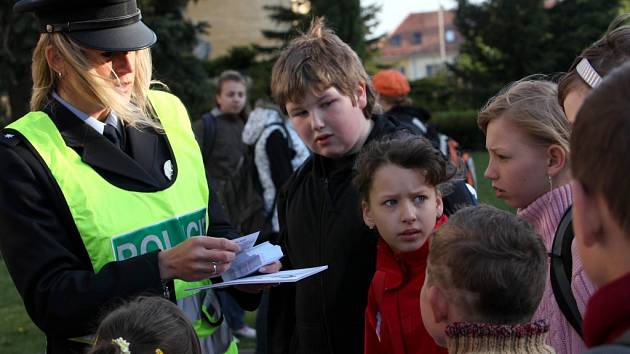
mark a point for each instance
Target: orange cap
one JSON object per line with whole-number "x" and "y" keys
{"x": 390, "y": 83}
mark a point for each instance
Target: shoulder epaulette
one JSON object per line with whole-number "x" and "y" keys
{"x": 9, "y": 137}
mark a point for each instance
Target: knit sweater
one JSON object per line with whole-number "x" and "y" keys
{"x": 483, "y": 338}
{"x": 544, "y": 214}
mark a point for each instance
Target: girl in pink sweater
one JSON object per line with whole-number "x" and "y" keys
{"x": 527, "y": 138}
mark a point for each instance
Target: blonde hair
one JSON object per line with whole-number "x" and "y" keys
{"x": 532, "y": 106}
{"x": 316, "y": 61}
{"x": 137, "y": 112}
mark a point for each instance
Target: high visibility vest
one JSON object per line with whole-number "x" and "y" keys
{"x": 117, "y": 224}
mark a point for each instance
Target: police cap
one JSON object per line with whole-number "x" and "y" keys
{"x": 107, "y": 25}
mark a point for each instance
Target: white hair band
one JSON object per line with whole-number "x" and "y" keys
{"x": 587, "y": 73}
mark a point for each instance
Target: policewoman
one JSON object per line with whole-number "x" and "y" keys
{"x": 102, "y": 185}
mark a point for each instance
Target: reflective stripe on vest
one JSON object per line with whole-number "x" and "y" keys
{"x": 117, "y": 224}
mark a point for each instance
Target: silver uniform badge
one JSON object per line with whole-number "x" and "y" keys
{"x": 168, "y": 169}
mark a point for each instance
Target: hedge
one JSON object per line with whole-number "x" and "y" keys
{"x": 460, "y": 125}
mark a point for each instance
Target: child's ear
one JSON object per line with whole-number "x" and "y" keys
{"x": 587, "y": 216}
{"x": 439, "y": 304}
{"x": 556, "y": 159}
{"x": 439, "y": 204}
{"x": 361, "y": 95}
{"x": 367, "y": 215}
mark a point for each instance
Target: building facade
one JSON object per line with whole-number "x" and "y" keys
{"x": 422, "y": 44}
{"x": 233, "y": 23}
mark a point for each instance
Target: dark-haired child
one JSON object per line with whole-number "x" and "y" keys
{"x": 594, "y": 63}
{"x": 397, "y": 178}
{"x": 146, "y": 325}
{"x": 486, "y": 274}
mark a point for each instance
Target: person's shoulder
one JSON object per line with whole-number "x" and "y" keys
{"x": 385, "y": 124}
{"x": 10, "y": 138}
{"x": 164, "y": 96}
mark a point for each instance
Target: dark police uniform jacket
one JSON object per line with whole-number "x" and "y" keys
{"x": 41, "y": 245}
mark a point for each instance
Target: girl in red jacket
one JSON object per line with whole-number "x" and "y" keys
{"x": 398, "y": 180}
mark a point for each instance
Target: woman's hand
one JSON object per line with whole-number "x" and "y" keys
{"x": 197, "y": 258}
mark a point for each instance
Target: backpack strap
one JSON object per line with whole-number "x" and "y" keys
{"x": 283, "y": 128}
{"x": 209, "y": 135}
{"x": 562, "y": 270}
{"x": 286, "y": 132}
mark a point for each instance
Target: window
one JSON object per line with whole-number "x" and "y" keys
{"x": 432, "y": 69}
{"x": 449, "y": 36}
{"x": 395, "y": 41}
{"x": 203, "y": 49}
{"x": 416, "y": 38}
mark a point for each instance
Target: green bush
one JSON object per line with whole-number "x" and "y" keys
{"x": 460, "y": 125}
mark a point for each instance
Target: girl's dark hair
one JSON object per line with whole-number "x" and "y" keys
{"x": 608, "y": 52}
{"x": 147, "y": 324}
{"x": 405, "y": 150}
{"x": 600, "y": 147}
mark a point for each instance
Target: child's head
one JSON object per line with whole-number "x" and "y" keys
{"x": 231, "y": 92}
{"x": 148, "y": 325}
{"x": 397, "y": 179}
{"x": 595, "y": 62}
{"x": 527, "y": 138}
{"x": 485, "y": 265}
{"x": 392, "y": 88}
{"x": 319, "y": 81}
{"x": 600, "y": 148}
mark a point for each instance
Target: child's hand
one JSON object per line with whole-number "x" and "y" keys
{"x": 271, "y": 268}
{"x": 255, "y": 288}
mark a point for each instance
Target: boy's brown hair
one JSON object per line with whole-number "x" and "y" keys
{"x": 608, "y": 52}
{"x": 491, "y": 264}
{"x": 405, "y": 150}
{"x": 316, "y": 61}
{"x": 531, "y": 105}
{"x": 600, "y": 144}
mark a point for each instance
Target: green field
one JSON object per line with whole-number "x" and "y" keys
{"x": 18, "y": 335}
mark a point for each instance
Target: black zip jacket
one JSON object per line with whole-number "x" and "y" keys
{"x": 321, "y": 224}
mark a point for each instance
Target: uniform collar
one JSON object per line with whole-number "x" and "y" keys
{"x": 111, "y": 119}
{"x": 94, "y": 149}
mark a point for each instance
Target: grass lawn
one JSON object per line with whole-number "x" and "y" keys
{"x": 18, "y": 335}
